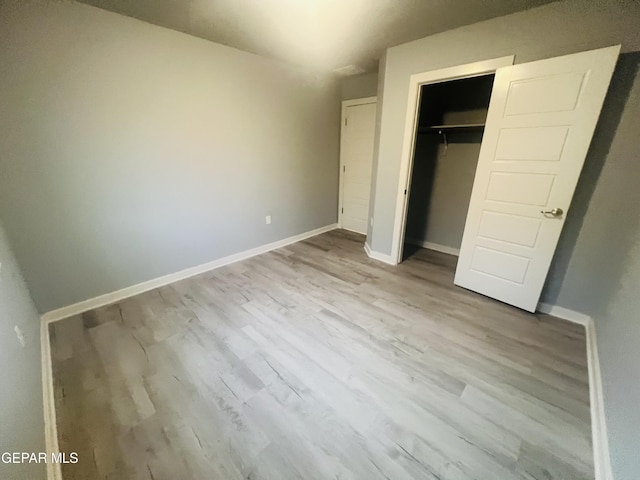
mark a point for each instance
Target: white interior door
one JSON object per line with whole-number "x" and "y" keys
{"x": 358, "y": 131}
{"x": 539, "y": 126}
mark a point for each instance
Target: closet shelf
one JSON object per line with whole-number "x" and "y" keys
{"x": 463, "y": 127}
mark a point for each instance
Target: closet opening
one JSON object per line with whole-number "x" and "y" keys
{"x": 451, "y": 118}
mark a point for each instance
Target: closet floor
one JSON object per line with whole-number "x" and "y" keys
{"x": 315, "y": 362}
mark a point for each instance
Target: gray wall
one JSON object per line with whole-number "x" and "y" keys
{"x": 599, "y": 233}
{"x": 609, "y": 244}
{"x": 533, "y": 34}
{"x": 593, "y": 255}
{"x": 444, "y": 167}
{"x": 382, "y": 66}
{"x": 360, "y": 86}
{"x": 130, "y": 151}
{"x": 21, "y": 417}
{"x": 441, "y": 188}
{"x": 619, "y": 349}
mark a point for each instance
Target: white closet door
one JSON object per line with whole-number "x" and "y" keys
{"x": 357, "y": 158}
{"x": 540, "y": 122}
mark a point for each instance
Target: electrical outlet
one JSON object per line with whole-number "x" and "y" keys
{"x": 20, "y": 336}
{"x": 267, "y": 219}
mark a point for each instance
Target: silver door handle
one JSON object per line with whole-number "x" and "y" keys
{"x": 556, "y": 212}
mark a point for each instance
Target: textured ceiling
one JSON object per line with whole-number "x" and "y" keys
{"x": 320, "y": 34}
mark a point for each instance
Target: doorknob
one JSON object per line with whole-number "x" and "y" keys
{"x": 556, "y": 212}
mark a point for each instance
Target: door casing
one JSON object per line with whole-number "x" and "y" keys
{"x": 343, "y": 117}
{"x": 416, "y": 81}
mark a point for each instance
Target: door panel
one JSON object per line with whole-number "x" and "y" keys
{"x": 523, "y": 188}
{"x": 539, "y": 126}
{"x": 542, "y": 143}
{"x": 554, "y": 93}
{"x": 500, "y": 264}
{"x": 509, "y": 228}
{"x": 357, "y": 152}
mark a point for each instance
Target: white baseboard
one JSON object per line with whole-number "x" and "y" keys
{"x": 350, "y": 230}
{"x": 602, "y": 462}
{"x": 113, "y": 297}
{"x": 565, "y": 314}
{"x": 48, "y": 395}
{"x": 49, "y": 407}
{"x": 601, "y": 458}
{"x": 379, "y": 256}
{"x": 434, "y": 246}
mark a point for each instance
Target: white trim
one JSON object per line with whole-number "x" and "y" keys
{"x": 354, "y": 231}
{"x": 602, "y": 462}
{"x": 434, "y": 246}
{"x": 48, "y": 395}
{"x": 379, "y": 256}
{"x": 564, "y": 313}
{"x": 343, "y": 118}
{"x": 601, "y": 457}
{"x": 127, "y": 292}
{"x": 54, "y": 471}
{"x": 484, "y": 67}
{"x": 359, "y": 101}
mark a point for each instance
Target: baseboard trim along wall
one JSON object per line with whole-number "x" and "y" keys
{"x": 420, "y": 243}
{"x": 54, "y": 471}
{"x": 564, "y": 313}
{"x": 602, "y": 462}
{"x": 379, "y": 256}
{"x": 113, "y": 297}
{"x": 433, "y": 246}
{"x": 601, "y": 457}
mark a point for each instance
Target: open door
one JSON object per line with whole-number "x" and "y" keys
{"x": 539, "y": 126}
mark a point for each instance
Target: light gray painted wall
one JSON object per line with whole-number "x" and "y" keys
{"x": 360, "y": 86}
{"x": 609, "y": 244}
{"x": 376, "y": 145}
{"x": 130, "y": 151}
{"x": 21, "y": 417}
{"x": 602, "y": 225}
{"x": 599, "y": 233}
{"x": 440, "y": 196}
{"x": 551, "y": 30}
{"x": 444, "y": 166}
{"x": 618, "y": 344}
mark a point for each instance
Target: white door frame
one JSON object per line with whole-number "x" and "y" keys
{"x": 416, "y": 81}
{"x": 343, "y": 120}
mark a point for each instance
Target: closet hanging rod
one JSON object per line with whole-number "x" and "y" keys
{"x": 451, "y": 128}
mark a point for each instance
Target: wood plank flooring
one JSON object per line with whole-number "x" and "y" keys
{"x": 315, "y": 362}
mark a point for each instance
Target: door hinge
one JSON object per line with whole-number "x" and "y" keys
{"x": 405, "y": 191}
{"x": 346, "y": 121}
{"x": 344, "y": 168}
{"x": 342, "y": 210}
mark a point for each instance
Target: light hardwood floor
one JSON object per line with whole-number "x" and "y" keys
{"x": 315, "y": 362}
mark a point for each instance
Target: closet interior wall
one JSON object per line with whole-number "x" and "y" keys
{"x": 444, "y": 165}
